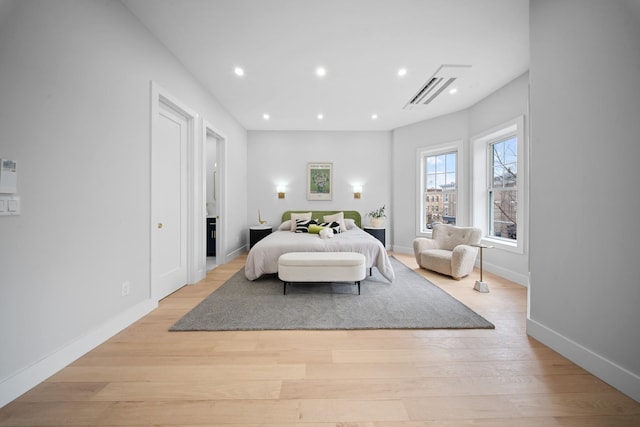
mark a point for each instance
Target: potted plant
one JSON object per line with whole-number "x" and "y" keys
{"x": 376, "y": 216}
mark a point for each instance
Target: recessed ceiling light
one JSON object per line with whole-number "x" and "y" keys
{"x": 266, "y": 116}
{"x": 374, "y": 116}
{"x": 321, "y": 72}
{"x": 320, "y": 116}
{"x": 453, "y": 90}
{"x": 402, "y": 72}
{"x": 239, "y": 71}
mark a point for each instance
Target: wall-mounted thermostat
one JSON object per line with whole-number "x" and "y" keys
{"x": 8, "y": 176}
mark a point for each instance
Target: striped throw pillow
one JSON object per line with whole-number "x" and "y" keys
{"x": 334, "y": 225}
{"x": 302, "y": 225}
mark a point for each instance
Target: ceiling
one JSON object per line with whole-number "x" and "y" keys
{"x": 361, "y": 43}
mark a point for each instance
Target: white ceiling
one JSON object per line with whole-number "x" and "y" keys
{"x": 361, "y": 43}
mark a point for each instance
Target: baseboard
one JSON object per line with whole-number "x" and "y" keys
{"x": 235, "y": 253}
{"x": 402, "y": 249}
{"x": 521, "y": 279}
{"x": 22, "y": 381}
{"x": 617, "y": 376}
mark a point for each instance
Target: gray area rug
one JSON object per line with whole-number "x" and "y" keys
{"x": 410, "y": 302}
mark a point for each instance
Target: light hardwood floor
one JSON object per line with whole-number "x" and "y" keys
{"x": 148, "y": 376}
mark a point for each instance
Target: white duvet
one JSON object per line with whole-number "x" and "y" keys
{"x": 263, "y": 257}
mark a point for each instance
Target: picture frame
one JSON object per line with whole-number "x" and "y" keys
{"x": 319, "y": 181}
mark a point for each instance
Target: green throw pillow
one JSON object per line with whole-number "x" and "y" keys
{"x": 315, "y": 229}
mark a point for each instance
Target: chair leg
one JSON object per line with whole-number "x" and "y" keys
{"x": 285, "y": 288}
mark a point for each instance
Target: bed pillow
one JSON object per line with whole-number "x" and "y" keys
{"x": 285, "y": 225}
{"x": 302, "y": 225}
{"x": 339, "y": 218}
{"x": 297, "y": 216}
{"x": 350, "y": 223}
{"x": 333, "y": 225}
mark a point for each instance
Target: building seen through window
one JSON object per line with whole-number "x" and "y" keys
{"x": 440, "y": 189}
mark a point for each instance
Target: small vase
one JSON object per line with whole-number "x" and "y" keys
{"x": 376, "y": 222}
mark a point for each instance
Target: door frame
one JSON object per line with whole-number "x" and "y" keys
{"x": 160, "y": 96}
{"x": 221, "y": 155}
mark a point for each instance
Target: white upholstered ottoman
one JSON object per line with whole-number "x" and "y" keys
{"x": 312, "y": 267}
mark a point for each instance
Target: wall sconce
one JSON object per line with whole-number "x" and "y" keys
{"x": 357, "y": 190}
{"x": 281, "y": 190}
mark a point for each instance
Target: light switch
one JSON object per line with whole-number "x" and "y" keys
{"x": 9, "y": 205}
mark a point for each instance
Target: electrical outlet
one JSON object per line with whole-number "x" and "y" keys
{"x": 126, "y": 288}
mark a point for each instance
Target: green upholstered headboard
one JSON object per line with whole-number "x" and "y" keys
{"x": 354, "y": 215}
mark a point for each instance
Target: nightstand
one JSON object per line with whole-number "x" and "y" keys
{"x": 378, "y": 233}
{"x": 257, "y": 233}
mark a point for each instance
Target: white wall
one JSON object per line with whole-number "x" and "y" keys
{"x": 505, "y": 104}
{"x": 585, "y": 238}
{"x": 406, "y": 140}
{"x": 282, "y": 157}
{"x": 75, "y": 113}
{"x": 211, "y": 166}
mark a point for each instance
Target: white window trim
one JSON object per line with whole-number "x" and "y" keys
{"x": 433, "y": 150}
{"x": 480, "y": 183}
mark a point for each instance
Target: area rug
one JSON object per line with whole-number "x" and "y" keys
{"x": 410, "y": 302}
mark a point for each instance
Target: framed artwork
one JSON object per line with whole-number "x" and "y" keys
{"x": 319, "y": 181}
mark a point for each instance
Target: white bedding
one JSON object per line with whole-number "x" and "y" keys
{"x": 263, "y": 257}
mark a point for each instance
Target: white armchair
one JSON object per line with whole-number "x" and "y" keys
{"x": 448, "y": 251}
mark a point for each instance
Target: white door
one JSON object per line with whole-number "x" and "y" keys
{"x": 168, "y": 202}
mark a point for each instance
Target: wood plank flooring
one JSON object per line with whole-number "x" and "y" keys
{"x": 375, "y": 378}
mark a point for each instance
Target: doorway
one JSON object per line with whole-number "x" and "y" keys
{"x": 211, "y": 200}
{"x": 214, "y": 195}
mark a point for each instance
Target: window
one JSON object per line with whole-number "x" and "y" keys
{"x": 499, "y": 191}
{"x": 503, "y": 188}
{"x": 439, "y": 186}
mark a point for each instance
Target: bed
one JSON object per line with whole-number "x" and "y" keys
{"x": 263, "y": 257}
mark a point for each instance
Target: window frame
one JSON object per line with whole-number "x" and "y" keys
{"x": 492, "y": 189}
{"x": 482, "y": 161}
{"x": 434, "y": 150}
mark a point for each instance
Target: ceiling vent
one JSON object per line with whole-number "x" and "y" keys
{"x": 441, "y": 79}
